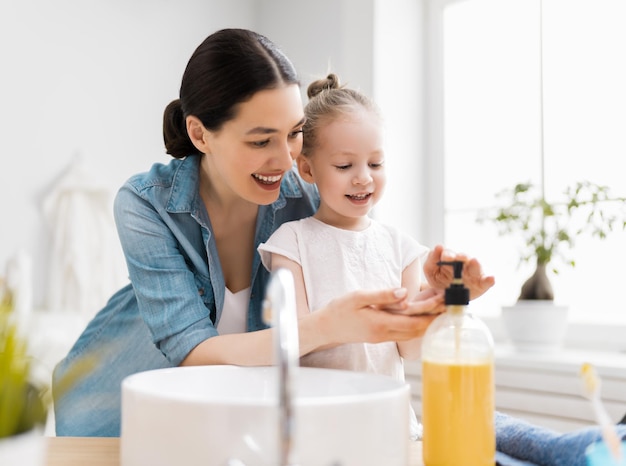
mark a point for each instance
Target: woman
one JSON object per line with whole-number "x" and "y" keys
{"x": 190, "y": 229}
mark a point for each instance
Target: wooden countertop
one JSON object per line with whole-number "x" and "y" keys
{"x": 83, "y": 451}
{"x": 101, "y": 451}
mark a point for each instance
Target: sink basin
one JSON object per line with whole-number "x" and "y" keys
{"x": 208, "y": 415}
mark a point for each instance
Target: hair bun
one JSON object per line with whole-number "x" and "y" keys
{"x": 330, "y": 82}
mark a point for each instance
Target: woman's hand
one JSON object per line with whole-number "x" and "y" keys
{"x": 441, "y": 276}
{"x": 369, "y": 316}
{"x": 427, "y": 301}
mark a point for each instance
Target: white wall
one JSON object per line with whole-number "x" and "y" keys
{"x": 322, "y": 36}
{"x": 89, "y": 78}
{"x": 92, "y": 78}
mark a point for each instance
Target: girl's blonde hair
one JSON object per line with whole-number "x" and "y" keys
{"x": 328, "y": 100}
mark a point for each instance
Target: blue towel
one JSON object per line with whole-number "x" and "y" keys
{"x": 519, "y": 443}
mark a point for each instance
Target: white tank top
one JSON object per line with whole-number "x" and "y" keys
{"x": 234, "y": 317}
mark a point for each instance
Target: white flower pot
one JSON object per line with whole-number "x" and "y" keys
{"x": 27, "y": 449}
{"x": 535, "y": 326}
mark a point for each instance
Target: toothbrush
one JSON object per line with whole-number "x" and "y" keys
{"x": 591, "y": 384}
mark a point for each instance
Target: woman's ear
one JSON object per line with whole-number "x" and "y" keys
{"x": 304, "y": 168}
{"x": 197, "y": 134}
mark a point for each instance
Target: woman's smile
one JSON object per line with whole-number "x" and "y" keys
{"x": 268, "y": 182}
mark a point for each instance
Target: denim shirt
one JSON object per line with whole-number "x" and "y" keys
{"x": 176, "y": 294}
{"x": 172, "y": 258}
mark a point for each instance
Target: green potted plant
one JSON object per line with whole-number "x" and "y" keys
{"x": 22, "y": 401}
{"x": 548, "y": 231}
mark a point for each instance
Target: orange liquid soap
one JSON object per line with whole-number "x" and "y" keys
{"x": 464, "y": 394}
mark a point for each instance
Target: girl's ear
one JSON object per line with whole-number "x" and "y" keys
{"x": 198, "y": 134}
{"x": 304, "y": 168}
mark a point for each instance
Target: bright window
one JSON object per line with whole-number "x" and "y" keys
{"x": 487, "y": 57}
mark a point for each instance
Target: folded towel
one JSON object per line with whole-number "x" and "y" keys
{"x": 519, "y": 443}
{"x": 503, "y": 459}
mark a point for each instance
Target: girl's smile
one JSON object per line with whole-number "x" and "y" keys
{"x": 359, "y": 198}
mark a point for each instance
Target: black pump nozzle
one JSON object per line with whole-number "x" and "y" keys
{"x": 456, "y": 293}
{"x": 456, "y": 265}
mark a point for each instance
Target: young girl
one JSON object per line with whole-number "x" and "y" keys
{"x": 341, "y": 248}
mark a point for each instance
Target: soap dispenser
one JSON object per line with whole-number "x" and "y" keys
{"x": 458, "y": 405}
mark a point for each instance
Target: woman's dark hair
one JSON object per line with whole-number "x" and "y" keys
{"x": 228, "y": 68}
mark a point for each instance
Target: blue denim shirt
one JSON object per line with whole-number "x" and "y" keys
{"x": 176, "y": 294}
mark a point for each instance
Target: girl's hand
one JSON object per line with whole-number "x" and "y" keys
{"x": 439, "y": 276}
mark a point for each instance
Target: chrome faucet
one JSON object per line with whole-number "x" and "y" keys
{"x": 279, "y": 310}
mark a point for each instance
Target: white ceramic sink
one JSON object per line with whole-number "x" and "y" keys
{"x": 210, "y": 414}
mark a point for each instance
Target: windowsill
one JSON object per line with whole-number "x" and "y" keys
{"x": 608, "y": 339}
